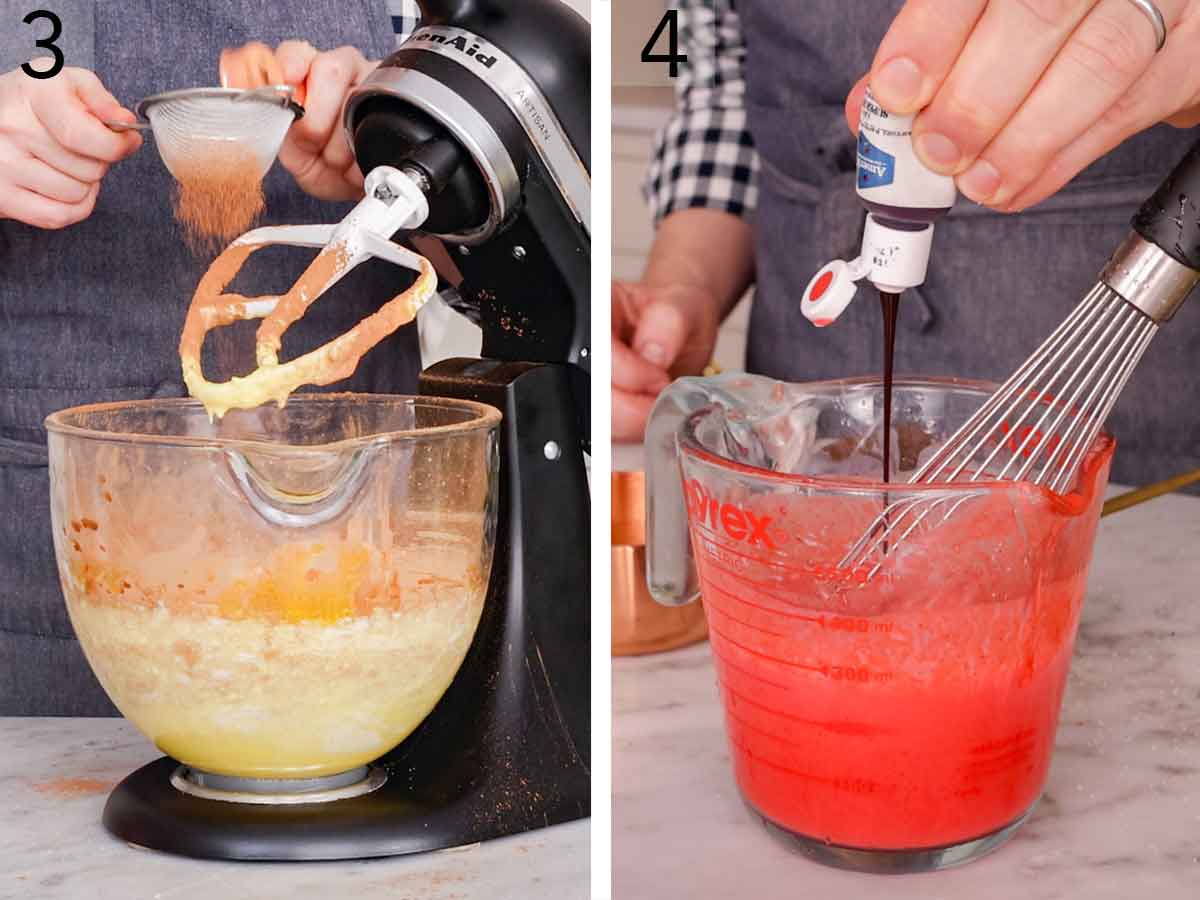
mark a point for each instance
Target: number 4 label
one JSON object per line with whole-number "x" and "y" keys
{"x": 670, "y": 24}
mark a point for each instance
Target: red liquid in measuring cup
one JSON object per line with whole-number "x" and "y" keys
{"x": 912, "y": 711}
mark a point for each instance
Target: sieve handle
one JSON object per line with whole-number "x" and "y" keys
{"x": 126, "y": 126}
{"x": 1170, "y": 219}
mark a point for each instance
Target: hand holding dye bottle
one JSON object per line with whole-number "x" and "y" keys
{"x": 903, "y": 200}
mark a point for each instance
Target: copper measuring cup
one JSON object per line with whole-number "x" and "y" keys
{"x": 639, "y": 624}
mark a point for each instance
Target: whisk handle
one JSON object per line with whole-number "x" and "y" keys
{"x": 1170, "y": 219}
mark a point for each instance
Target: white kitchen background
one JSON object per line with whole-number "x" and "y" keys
{"x": 642, "y": 101}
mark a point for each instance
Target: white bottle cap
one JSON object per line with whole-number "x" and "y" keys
{"x": 892, "y": 259}
{"x": 829, "y": 293}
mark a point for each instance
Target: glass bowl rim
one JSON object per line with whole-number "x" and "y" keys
{"x": 484, "y": 418}
{"x": 1104, "y": 444}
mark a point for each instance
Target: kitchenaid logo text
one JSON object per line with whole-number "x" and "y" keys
{"x": 737, "y": 523}
{"x": 461, "y": 44}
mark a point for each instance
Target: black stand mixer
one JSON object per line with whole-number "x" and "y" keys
{"x": 486, "y": 106}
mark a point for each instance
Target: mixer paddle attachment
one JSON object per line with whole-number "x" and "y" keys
{"x": 394, "y": 201}
{"x": 1041, "y": 423}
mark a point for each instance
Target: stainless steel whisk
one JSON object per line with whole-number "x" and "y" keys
{"x": 1039, "y": 425}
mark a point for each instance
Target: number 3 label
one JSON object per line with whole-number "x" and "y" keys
{"x": 46, "y": 43}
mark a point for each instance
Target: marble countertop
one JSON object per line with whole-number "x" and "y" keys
{"x": 55, "y": 775}
{"x": 628, "y": 457}
{"x": 1120, "y": 817}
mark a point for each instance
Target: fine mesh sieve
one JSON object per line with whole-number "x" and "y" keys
{"x": 194, "y": 126}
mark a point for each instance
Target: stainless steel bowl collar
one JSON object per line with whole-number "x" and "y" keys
{"x": 521, "y": 95}
{"x": 512, "y": 85}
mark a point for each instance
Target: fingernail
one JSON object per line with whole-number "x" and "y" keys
{"x": 938, "y": 152}
{"x": 654, "y": 353}
{"x": 898, "y": 83}
{"x": 980, "y": 182}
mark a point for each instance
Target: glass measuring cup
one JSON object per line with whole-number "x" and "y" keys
{"x": 900, "y": 723}
{"x": 285, "y": 593}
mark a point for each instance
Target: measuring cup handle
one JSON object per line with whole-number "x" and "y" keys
{"x": 670, "y": 567}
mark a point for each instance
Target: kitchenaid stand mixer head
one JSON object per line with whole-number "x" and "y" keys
{"x": 491, "y": 104}
{"x": 486, "y": 109}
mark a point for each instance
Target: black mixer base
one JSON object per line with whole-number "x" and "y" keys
{"x": 146, "y": 810}
{"x": 506, "y": 749}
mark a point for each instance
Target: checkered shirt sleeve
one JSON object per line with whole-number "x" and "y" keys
{"x": 405, "y": 18}
{"x": 705, "y": 156}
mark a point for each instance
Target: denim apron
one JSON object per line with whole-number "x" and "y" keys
{"x": 997, "y": 284}
{"x": 93, "y": 312}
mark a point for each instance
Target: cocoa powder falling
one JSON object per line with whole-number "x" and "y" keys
{"x": 218, "y": 196}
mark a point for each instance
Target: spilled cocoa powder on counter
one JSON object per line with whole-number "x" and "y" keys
{"x": 66, "y": 788}
{"x": 218, "y": 196}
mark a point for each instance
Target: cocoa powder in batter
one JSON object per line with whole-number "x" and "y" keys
{"x": 218, "y": 197}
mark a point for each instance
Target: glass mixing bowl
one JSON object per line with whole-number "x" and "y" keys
{"x": 285, "y": 593}
{"x": 900, "y": 722}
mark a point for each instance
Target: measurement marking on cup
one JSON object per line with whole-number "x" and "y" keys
{"x": 832, "y": 623}
{"x": 709, "y": 544}
{"x": 723, "y": 661}
{"x": 713, "y": 543}
{"x": 859, "y": 626}
{"x": 852, "y": 624}
{"x": 708, "y": 586}
{"x": 752, "y": 587}
{"x": 846, "y": 783}
{"x": 857, "y": 675}
{"x": 847, "y": 674}
{"x": 751, "y": 626}
{"x": 847, "y": 728}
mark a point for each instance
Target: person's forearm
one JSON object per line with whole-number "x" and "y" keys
{"x": 705, "y": 249}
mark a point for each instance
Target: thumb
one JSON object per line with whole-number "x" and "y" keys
{"x": 662, "y": 330}
{"x": 854, "y": 102}
{"x": 96, "y": 100}
{"x": 632, "y": 374}
{"x": 95, "y": 96}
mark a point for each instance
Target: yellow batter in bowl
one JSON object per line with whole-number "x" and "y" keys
{"x": 322, "y": 658}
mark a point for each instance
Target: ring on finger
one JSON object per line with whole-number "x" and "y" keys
{"x": 1154, "y": 14}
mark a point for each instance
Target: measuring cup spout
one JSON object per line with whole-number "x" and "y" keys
{"x": 300, "y": 487}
